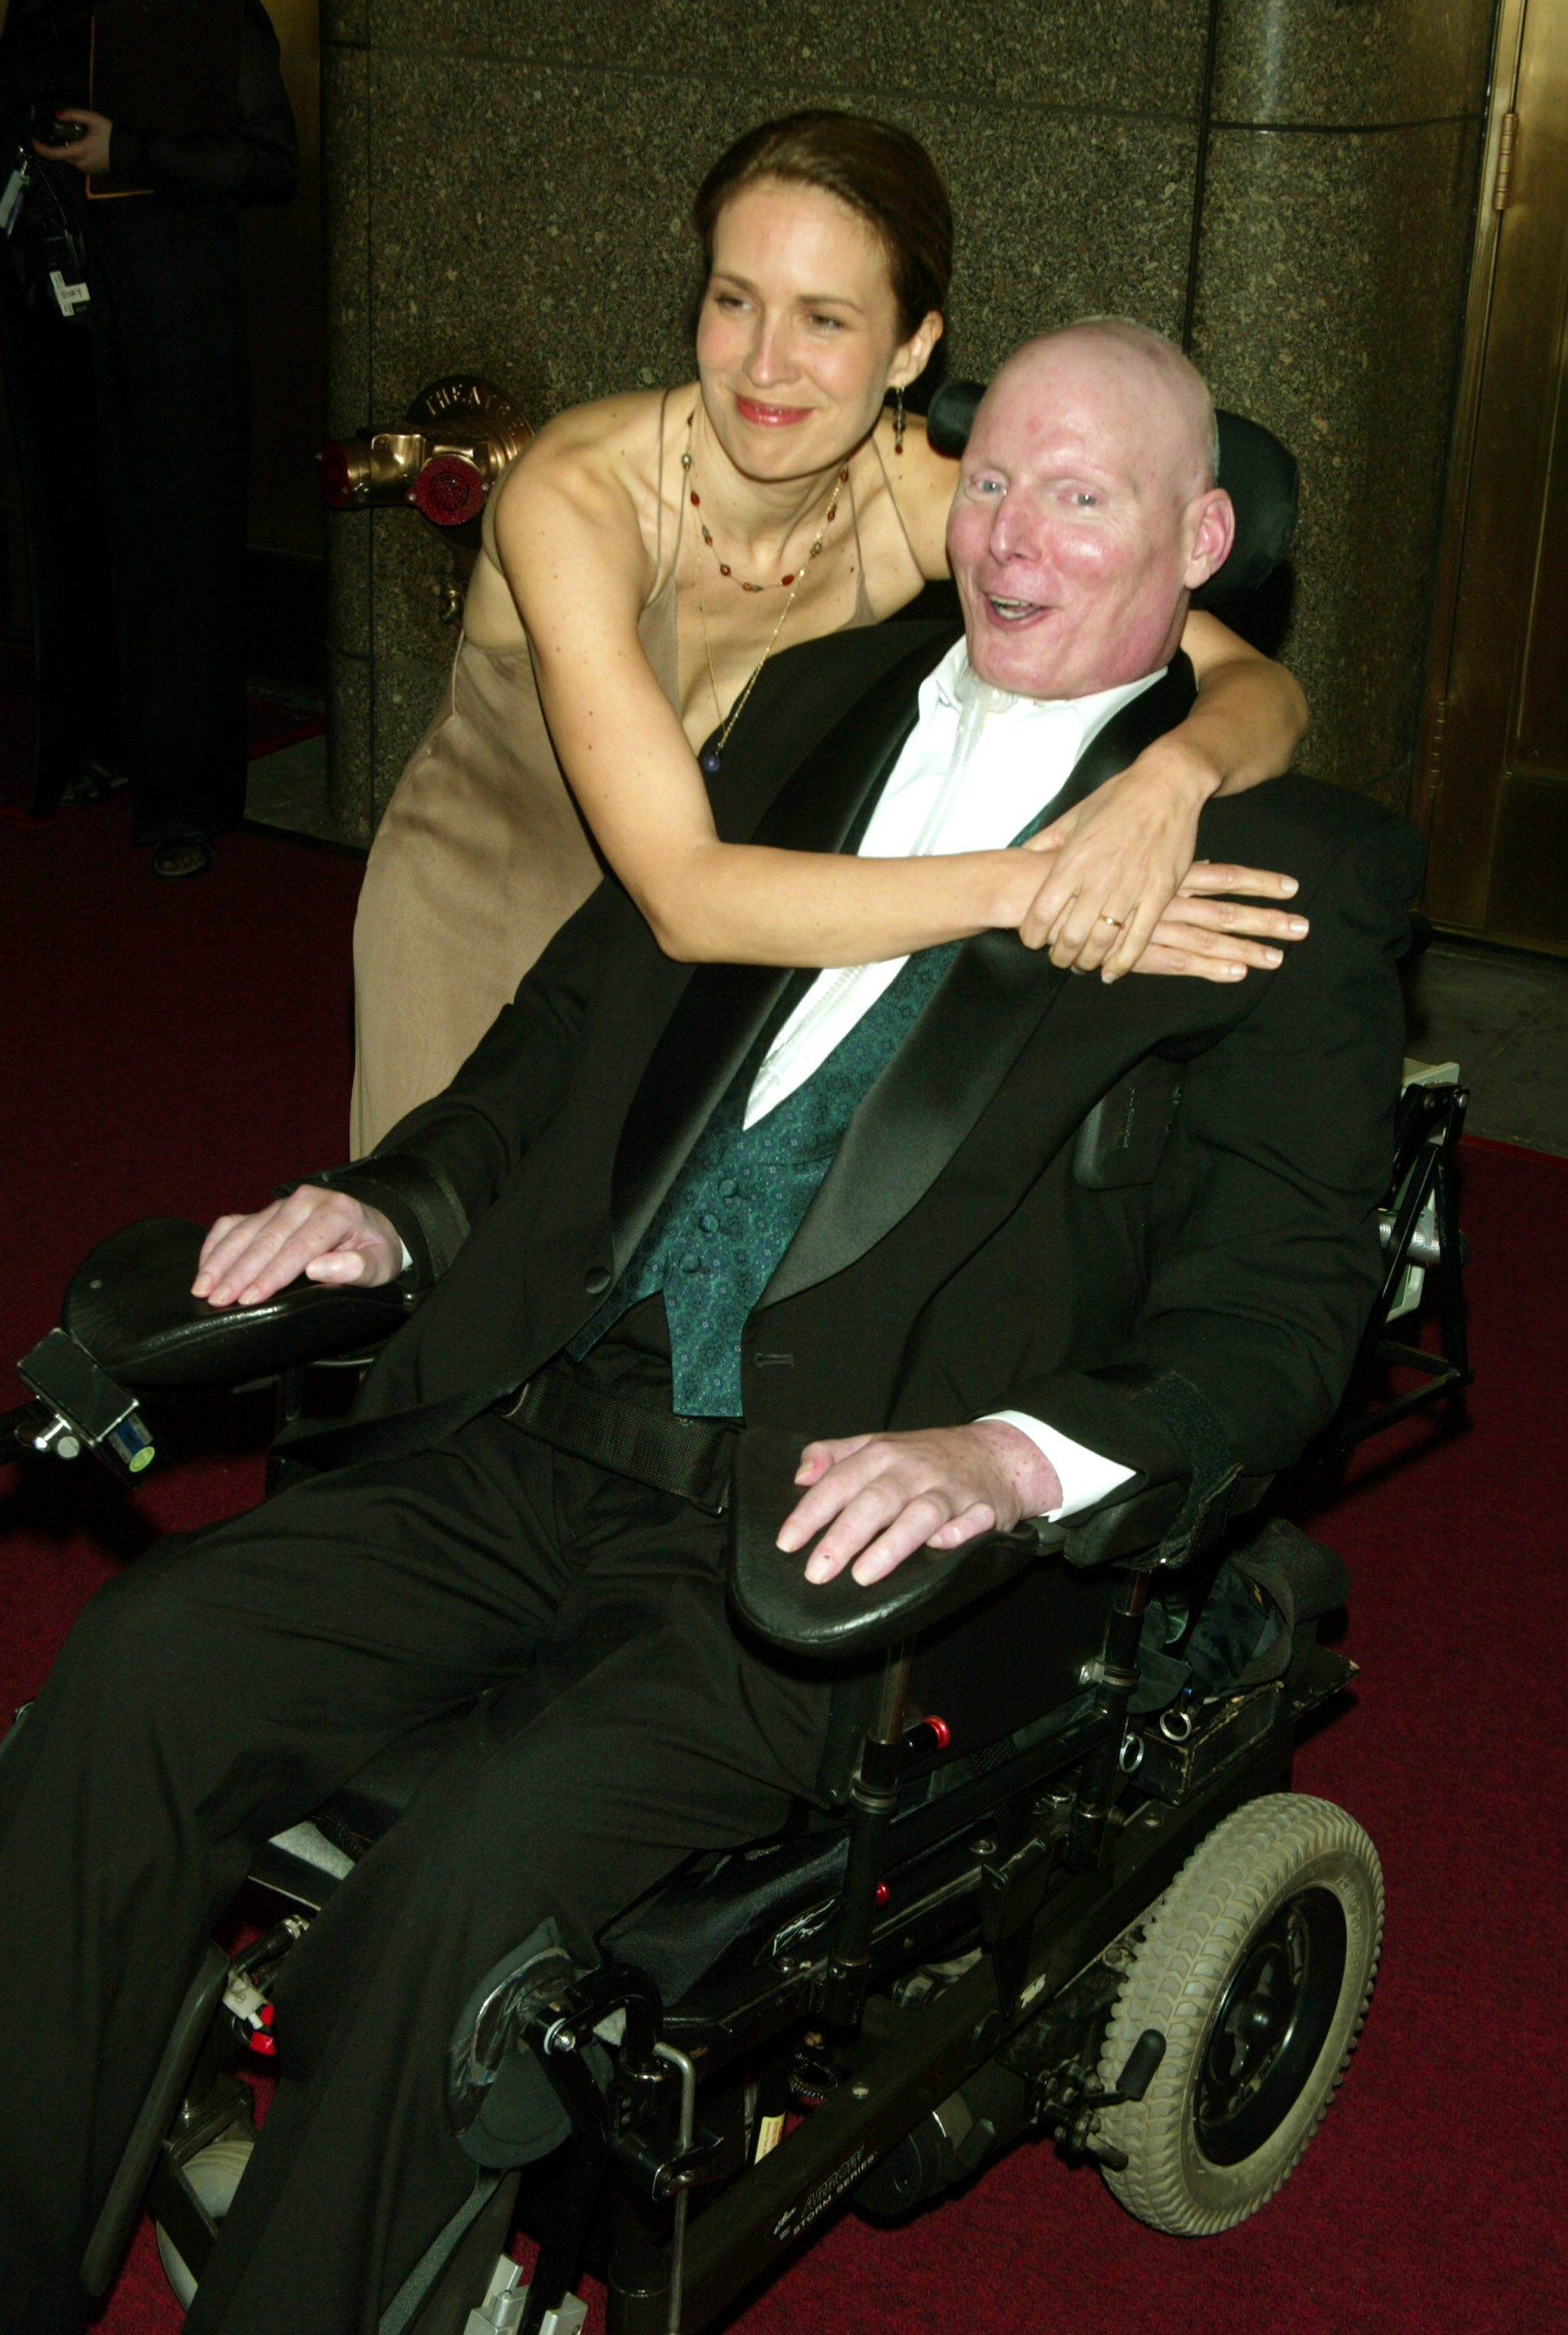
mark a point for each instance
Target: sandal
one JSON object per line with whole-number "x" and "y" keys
{"x": 180, "y": 857}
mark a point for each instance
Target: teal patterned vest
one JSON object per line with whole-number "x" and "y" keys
{"x": 737, "y": 1204}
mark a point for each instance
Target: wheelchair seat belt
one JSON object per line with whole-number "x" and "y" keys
{"x": 690, "y": 1458}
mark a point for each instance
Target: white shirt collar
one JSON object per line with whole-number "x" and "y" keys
{"x": 954, "y": 684}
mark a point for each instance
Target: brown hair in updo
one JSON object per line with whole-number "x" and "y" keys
{"x": 879, "y": 171}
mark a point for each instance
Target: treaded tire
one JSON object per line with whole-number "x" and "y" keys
{"x": 1260, "y": 1906}
{"x": 215, "y": 2173}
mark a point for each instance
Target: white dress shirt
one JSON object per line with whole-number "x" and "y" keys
{"x": 978, "y": 767}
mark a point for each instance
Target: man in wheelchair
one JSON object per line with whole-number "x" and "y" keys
{"x": 766, "y": 1320}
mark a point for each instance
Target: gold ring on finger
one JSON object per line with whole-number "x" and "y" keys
{"x": 1115, "y": 922}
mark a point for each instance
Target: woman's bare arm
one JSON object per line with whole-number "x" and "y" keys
{"x": 569, "y": 541}
{"x": 569, "y": 538}
{"x": 1251, "y": 714}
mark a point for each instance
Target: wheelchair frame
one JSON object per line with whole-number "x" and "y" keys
{"x": 1028, "y": 1881}
{"x": 1040, "y": 1870}
{"x": 1420, "y": 1226}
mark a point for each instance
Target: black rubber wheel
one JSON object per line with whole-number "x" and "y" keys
{"x": 1256, "y": 1966}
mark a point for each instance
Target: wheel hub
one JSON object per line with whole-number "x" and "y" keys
{"x": 1269, "y": 2026}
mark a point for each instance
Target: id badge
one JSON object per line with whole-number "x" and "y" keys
{"x": 68, "y": 297}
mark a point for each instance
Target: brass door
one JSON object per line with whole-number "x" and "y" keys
{"x": 1493, "y": 763}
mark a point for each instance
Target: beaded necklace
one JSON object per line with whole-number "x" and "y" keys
{"x": 712, "y": 758}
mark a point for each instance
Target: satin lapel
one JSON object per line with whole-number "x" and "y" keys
{"x": 1123, "y": 739}
{"x": 724, "y": 1006}
{"x": 932, "y": 1093}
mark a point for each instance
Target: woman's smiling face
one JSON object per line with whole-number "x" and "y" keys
{"x": 798, "y": 337}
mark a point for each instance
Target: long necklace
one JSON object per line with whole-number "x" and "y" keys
{"x": 712, "y": 758}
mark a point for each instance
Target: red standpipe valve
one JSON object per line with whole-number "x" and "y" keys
{"x": 449, "y": 491}
{"x": 453, "y": 444}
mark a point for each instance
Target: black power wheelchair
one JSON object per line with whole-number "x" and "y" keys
{"x": 1051, "y": 1887}
{"x": 1054, "y": 1889}
{"x": 1028, "y": 1904}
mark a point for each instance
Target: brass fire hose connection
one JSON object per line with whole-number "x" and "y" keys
{"x": 455, "y": 440}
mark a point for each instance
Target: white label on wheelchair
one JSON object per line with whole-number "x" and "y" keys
{"x": 828, "y": 2192}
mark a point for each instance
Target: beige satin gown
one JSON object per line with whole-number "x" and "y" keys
{"x": 481, "y": 855}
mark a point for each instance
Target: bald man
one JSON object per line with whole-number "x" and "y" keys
{"x": 873, "y": 1206}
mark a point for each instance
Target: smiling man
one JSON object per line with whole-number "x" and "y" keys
{"x": 1086, "y": 513}
{"x": 878, "y": 1206}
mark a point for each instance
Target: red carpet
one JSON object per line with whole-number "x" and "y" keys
{"x": 176, "y": 1048}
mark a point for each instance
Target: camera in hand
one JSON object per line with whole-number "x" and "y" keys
{"x": 51, "y": 129}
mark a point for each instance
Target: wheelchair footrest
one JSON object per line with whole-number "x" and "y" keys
{"x": 1170, "y": 1771}
{"x": 507, "y": 2298}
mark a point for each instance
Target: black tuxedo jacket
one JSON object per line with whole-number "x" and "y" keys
{"x": 1188, "y": 1306}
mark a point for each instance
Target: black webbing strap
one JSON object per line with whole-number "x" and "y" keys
{"x": 681, "y": 1456}
{"x": 1203, "y": 1435}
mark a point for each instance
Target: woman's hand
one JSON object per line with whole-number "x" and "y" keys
{"x": 1203, "y": 933}
{"x": 1125, "y": 851}
{"x": 1210, "y": 938}
{"x": 88, "y": 155}
{"x": 1120, "y": 857}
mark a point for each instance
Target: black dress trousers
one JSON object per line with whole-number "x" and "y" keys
{"x": 172, "y": 381}
{"x": 218, "y": 1691}
{"x": 54, "y": 410}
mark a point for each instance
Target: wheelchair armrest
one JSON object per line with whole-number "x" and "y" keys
{"x": 772, "y": 1597}
{"x": 130, "y": 1306}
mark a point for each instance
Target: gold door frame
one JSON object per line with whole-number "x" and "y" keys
{"x": 1508, "y": 383}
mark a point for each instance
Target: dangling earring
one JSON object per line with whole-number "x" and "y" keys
{"x": 898, "y": 421}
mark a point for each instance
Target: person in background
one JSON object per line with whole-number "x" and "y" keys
{"x": 131, "y": 411}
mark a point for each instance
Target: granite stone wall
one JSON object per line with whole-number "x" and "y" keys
{"x": 507, "y": 184}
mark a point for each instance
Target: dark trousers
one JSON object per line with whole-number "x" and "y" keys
{"x": 134, "y": 438}
{"x": 218, "y": 1691}
{"x": 53, "y": 407}
{"x": 173, "y": 391}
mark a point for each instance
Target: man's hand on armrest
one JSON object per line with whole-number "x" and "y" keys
{"x": 327, "y": 1237}
{"x": 877, "y": 1499}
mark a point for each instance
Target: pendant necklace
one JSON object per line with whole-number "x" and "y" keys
{"x": 711, "y": 758}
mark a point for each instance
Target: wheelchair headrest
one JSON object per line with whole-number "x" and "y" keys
{"x": 1257, "y": 472}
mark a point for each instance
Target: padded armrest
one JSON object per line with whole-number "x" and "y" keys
{"x": 130, "y": 1305}
{"x": 771, "y": 1595}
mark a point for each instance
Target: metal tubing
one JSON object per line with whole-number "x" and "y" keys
{"x": 1102, "y": 1776}
{"x": 873, "y": 1797}
{"x": 1451, "y": 1277}
{"x": 111, "y": 2231}
{"x": 687, "y": 2068}
{"x": 887, "y": 1726}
